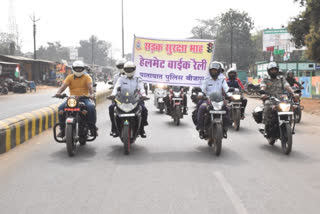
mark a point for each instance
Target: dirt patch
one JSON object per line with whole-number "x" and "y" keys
{"x": 311, "y": 106}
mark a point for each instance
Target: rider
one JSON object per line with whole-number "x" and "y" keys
{"x": 131, "y": 83}
{"x": 184, "y": 101}
{"x": 291, "y": 80}
{"x": 80, "y": 84}
{"x": 234, "y": 82}
{"x": 119, "y": 64}
{"x": 212, "y": 84}
{"x": 274, "y": 86}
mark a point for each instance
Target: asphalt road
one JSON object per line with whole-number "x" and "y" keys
{"x": 14, "y": 104}
{"x": 171, "y": 171}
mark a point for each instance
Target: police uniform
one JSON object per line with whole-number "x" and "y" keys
{"x": 209, "y": 86}
{"x": 274, "y": 87}
{"x": 131, "y": 84}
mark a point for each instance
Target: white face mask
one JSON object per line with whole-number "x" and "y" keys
{"x": 129, "y": 75}
{"x": 78, "y": 74}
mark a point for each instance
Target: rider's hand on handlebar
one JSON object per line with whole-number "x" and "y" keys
{"x": 111, "y": 97}
{"x": 92, "y": 96}
{"x": 264, "y": 97}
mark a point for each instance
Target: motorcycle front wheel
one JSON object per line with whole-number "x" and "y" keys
{"x": 177, "y": 115}
{"x": 126, "y": 139}
{"x": 297, "y": 115}
{"x": 237, "y": 118}
{"x": 286, "y": 138}
{"x": 70, "y": 142}
{"x": 217, "y": 140}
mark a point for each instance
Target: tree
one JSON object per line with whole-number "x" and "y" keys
{"x": 207, "y": 29}
{"x": 53, "y": 52}
{"x": 233, "y": 41}
{"x": 305, "y": 28}
{"x": 94, "y": 51}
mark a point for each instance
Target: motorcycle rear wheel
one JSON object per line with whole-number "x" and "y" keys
{"x": 70, "y": 142}
{"x": 297, "y": 115}
{"x": 236, "y": 122}
{"x": 286, "y": 139}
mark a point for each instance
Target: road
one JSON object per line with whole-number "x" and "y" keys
{"x": 171, "y": 171}
{"x": 14, "y": 104}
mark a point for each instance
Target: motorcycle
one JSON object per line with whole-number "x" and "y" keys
{"x": 297, "y": 107}
{"x": 77, "y": 126}
{"x": 159, "y": 94}
{"x": 234, "y": 107}
{"x": 282, "y": 126}
{"x": 128, "y": 117}
{"x": 145, "y": 85}
{"x": 194, "y": 94}
{"x": 213, "y": 121}
{"x": 4, "y": 88}
{"x": 252, "y": 89}
{"x": 175, "y": 109}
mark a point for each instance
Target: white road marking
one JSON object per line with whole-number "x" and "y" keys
{"x": 236, "y": 202}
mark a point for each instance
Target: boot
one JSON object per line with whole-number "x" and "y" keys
{"x": 142, "y": 132}
{"x": 185, "y": 111}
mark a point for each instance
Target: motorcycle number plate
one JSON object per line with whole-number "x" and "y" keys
{"x": 176, "y": 98}
{"x": 160, "y": 100}
{"x": 127, "y": 115}
{"x": 285, "y": 113}
{"x": 69, "y": 120}
{"x": 217, "y": 112}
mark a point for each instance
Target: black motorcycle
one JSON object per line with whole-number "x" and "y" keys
{"x": 128, "y": 117}
{"x": 175, "y": 108}
{"x": 3, "y": 88}
{"x": 213, "y": 121}
{"x": 77, "y": 126}
{"x": 297, "y": 107}
{"x": 283, "y": 125}
{"x": 235, "y": 107}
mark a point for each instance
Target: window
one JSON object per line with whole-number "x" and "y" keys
{"x": 310, "y": 65}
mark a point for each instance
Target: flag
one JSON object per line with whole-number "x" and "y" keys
{"x": 17, "y": 73}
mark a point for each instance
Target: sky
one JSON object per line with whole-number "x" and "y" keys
{"x": 70, "y": 21}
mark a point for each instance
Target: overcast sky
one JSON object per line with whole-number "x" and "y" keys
{"x": 69, "y": 21}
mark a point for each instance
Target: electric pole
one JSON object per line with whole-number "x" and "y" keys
{"x": 34, "y": 20}
{"x": 122, "y": 29}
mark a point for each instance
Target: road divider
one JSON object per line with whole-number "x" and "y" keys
{"x": 20, "y": 128}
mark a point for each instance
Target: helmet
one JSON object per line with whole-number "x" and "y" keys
{"x": 129, "y": 68}
{"x": 271, "y": 66}
{"x": 222, "y": 67}
{"x": 290, "y": 73}
{"x": 215, "y": 66}
{"x": 232, "y": 73}
{"x": 78, "y": 68}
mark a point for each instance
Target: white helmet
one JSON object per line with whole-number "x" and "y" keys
{"x": 78, "y": 68}
{"x": 129, "y": 69}
{"x": 231, "y": 70}
{"x": 120, "y": 63}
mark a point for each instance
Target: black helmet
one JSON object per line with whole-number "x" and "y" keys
{"x": 290, "y": 72}
{"x": 271, "y": 66}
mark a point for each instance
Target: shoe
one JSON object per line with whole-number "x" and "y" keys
{"x": 225, "y": 135}
{"x": 201, "y": 134}
{"x": 94, "y": 131}
{"x": 242, "y": 117}
{"x": 143, "y": 134}
{"x": 185, "y": 113}
{"x": 61, "y": 134}
{"x": 115, "y": 134}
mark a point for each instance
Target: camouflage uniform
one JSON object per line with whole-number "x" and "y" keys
{"x": 274, "y": 87}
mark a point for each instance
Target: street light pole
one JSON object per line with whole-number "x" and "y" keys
{"x": 122, "y": 29}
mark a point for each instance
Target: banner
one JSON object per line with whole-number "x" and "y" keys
{"x": 172, "y": 62}
{"x": 315, "y": 88}
{"x": 306, "y": 92}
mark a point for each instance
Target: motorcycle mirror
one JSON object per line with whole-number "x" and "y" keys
{"x": 110, "y": 83}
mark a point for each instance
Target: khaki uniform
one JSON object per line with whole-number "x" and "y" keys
{"x": 274, "y": 87}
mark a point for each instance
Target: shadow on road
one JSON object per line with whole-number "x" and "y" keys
{"x": 83, "y": 154}
{"x": 295, "y": 157}
{"x": 202, "y": 154}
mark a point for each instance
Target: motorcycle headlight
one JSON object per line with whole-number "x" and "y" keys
{"x": 236, "y": 97}
{"x": 284, "y": 106}
{"x": 72, "y": 102}
{"x": 127, "y": 107}
{"x": 217, "y": 105}
{"x": 176, "y": 94}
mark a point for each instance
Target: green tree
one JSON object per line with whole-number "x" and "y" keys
{"x": 94, "y": 51}
{"x": 206, "y": 29}
{"x": 234, "y": 34}
{"x": 305, "y": 28}
{"x": 53, "y": 52}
